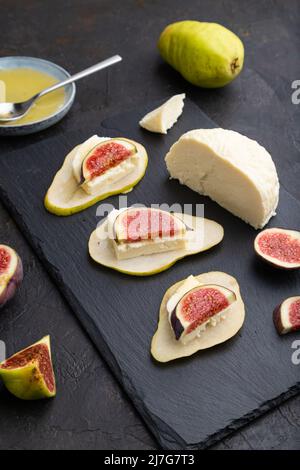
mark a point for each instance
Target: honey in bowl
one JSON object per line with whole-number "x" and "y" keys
{"x": 20, "y": 84}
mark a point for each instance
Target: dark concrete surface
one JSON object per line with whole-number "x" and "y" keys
{"x": 76, "y": 34}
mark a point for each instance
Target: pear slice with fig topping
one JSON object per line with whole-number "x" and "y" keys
{"x": 202, "y": 234}
{"x": 95, "y": 170}
{"x": 166, "y": 344}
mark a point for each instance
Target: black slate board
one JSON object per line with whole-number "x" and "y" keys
{"x": 190, "y": 403}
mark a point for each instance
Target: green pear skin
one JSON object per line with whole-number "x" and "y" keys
{"x": 207, "y": 55}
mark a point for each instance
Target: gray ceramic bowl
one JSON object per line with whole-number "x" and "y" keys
{"x": 47, "y": 67}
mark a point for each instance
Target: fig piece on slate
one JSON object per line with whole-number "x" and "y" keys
{"x": 29, "y": 374}
{"x": 11, "y": 273}
{"x": 279, "y": 247}
{"x": 287, "y": 315}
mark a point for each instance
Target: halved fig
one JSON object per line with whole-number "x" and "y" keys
{"x": 139, "y": 224}
{"x": 201, "y": 307}
{"x": 67, "y": 194}
{"x": 287, "y": 315}
{"x": 202, "y": 235}
{"x": 29, "y": 374}
{"x": 11, "y": 273}
{"x": 165, "y": 347}
{"x": 279, "y": 247}
{"x": 105, "y": 156}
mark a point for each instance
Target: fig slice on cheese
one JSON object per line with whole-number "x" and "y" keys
{"x": 152, "y": 255}
{"x": 167, "y": 344}
{"x": 279, "y": 247}
{"x": 199, "y": 308}
{"x": 105, "y": 156}
{"x": 233, "y": 170}
{"x": 287, "y": 315}
{"x": 161, "y": 119}
{"x": 93, "y": 171}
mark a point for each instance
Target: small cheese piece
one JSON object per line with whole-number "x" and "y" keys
{"x": 161, "y": 119}
{"x": 2, "y": 92}
{"x": 233, "y": 170}
{"x": 152, "y": 231}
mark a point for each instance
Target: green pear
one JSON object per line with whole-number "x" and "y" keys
{"x": 206, "y": 54}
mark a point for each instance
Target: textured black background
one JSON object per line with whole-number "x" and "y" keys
{"x": 76, "y": 34}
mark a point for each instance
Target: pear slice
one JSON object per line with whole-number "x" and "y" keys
{"x": 203, "y": 235}
{"x": 29, "y": 374}
{"x": 161, "y": 119}
{"x": 165, "y": 347}
{"x": 66, "y": 196}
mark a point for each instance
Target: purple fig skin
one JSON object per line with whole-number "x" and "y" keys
{"x": 176, "y": 325}
{"x": 277, "y": 320}
{"x": 13, "y": 284}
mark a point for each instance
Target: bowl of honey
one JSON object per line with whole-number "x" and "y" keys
{"x": 23, "y": 77}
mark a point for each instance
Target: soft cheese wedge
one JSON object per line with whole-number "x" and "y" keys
{"x": 161, "y": 119}
{"x": 95, "y": 170}
{"x": 129, "y": 252}
{"x": 218, "y": 320}
{"x": 233, "y": 170}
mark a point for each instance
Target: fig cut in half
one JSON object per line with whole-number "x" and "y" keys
{"x": 11, "y": 273}
{"x": 29, "y": 374}
{"x": 202, "y": 235}
{"x": 67, "y": 196}
{"x": 199, "y": 308}
{"x": 105, "y": 156}
{"x": 165, "y": 347}
{"x": 279, "y": 247}
{"x": 287, "y": 315}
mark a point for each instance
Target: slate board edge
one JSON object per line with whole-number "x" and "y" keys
{"x": 167, "y": 437}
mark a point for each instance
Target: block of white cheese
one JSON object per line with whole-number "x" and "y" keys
{"x": 2, "y": 92}
{"x": 233, "y": 170}
{"x": 161, "y": 119}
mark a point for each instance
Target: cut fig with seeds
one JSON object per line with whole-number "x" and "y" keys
{"x": 287, "y": 315}
{"x": 279, "y": 247}
{"x": 105, "y": 156}
{"x": 29, "y": 374}
{"x": 11, "y": 273}
{"x": 165, "y": 347}
{"x": 201, "y": 307}
{"x": 142, "y": 224}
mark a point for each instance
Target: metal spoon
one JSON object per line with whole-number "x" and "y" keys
{"x": 14, "y": 111}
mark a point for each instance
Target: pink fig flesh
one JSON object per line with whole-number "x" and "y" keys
{"x": 279, "y": 247}
{"x": 137, "y": 224}
{"x": 198, "y": 308}
{"x": 287, "y": 315}
{"x": 11, "y": 273}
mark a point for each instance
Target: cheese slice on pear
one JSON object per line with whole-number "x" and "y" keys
{"x": 233, "y": 170}
{"x": 66, "y": 196}
{"x": 161, "y": 119}
{"x": 165, "y": 347}
{"x": 204, "y": 234}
